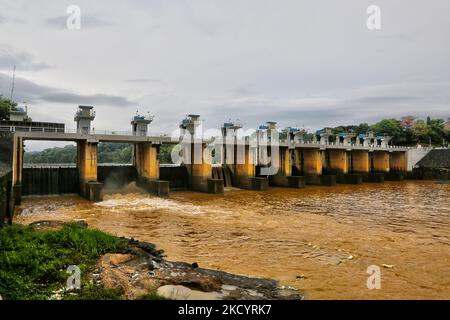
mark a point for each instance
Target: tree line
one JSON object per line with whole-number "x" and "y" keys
{"x": 406, "y": 132}
{"x": 107, "y": 153}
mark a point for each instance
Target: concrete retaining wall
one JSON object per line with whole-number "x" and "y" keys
{"x": 415, "y": 155}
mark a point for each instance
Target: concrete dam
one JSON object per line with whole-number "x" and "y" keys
{"x": 269, "y": 204}
{"x": 254, "y": 160}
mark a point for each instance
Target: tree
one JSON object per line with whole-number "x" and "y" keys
{"x": 5, "y": 106}
{"x": 420, "y": 131}
{"x": 436, "y": 130}
{"x": 165, "y": 153}
{"x": 362, "y": 128}
{"x": 390, "y": 127}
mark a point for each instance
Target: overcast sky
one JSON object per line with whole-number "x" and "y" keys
{"x": 301, "y": 63}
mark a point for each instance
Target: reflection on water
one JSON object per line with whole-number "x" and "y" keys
{"x": 320, "y": 239}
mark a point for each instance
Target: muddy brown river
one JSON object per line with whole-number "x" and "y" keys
{"x": 319, "y": 239}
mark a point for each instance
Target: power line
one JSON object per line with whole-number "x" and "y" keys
{"x": 12, "y": 85}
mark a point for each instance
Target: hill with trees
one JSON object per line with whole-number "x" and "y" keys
{"x": 405, "y": 132}
{"x": 107, "y": 153}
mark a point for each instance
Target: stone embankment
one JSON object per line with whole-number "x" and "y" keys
{"x": 142, "y": 268}
{"x": 435, "y": 165}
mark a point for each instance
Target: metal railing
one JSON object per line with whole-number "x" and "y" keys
{"x": 152, "y": 134}
{"x": 71, "y": 165}
{"x": 70, "y": 131}
{"x": 30, "y": 129}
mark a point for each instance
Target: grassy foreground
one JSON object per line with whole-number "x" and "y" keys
{"x": 33, "y": 263}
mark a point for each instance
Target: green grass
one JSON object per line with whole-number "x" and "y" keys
{"x": 33, "y": 263}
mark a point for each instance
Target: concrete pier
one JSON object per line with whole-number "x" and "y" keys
{"x": 340, "y": 164}
{"x": 90, "y": 188}
{"x": 398, "y": 161}
{"x": 380, "y": 161}
{"x": 360, "y": 161}
{"x": 200, "y": 170}
{"x": 311, "y": 165}
{"x": 244, "y": 170}
{"x": 338, "y": 160}
{"x": 146, "y": 161}
{"x": 284, "y": 177}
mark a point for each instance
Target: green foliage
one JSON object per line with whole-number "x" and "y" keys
{"x": 67, "y": 154}
{"x": 33, "y": 263}
{"x": 431, "y": 130}
{"x": 115, "y": 152}
{"x": 420, "y": 130}
{"x": 390, "y": 127}
{"x": 5, "y": 106}
{"x": 107, "y": 153}
{"x": 165, "y": 153}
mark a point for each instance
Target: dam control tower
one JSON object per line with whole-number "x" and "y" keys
{"x": 190, "y": 124}
{"x": 140, "y": 123}
{"x": 83, "y": 117}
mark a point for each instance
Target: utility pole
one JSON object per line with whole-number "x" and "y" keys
{"x": 12, "y": 86}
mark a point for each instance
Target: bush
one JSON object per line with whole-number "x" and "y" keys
{"x": 33, "y": 263}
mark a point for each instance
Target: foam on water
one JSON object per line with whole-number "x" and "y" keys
{"x": 145, "y": 202}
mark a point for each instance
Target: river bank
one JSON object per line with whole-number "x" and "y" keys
{"x": 34, "y": 260}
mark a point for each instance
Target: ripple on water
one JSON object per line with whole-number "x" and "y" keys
{"x": 319, "y": 238}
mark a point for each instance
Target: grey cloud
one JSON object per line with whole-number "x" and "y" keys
{"x": 29, "y": 91}
{"x": 302, "y": 62}
{"x": 22, "y": 60}
{"x": 384, "y": 99}
{"x": 143, "y": 80}
{"x": 243, "y": 90}
{"x": 367, "y": 104}
{"x": 67, "y": 97}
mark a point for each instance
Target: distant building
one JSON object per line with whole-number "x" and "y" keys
{"x": 407, "y": 121}
{"x": 19, "y": 121}
{"x": 20, "y": 114}
{"x": 447, "y": 124}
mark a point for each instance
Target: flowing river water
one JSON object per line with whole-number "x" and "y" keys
{"x": 319, "y": 239}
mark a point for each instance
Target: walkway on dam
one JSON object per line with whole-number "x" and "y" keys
{"x": 128, "y": 137}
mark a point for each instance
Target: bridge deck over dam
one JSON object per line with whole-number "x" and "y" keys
{"x": 164, "y": 139}
{"x": 257, "y": 160}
